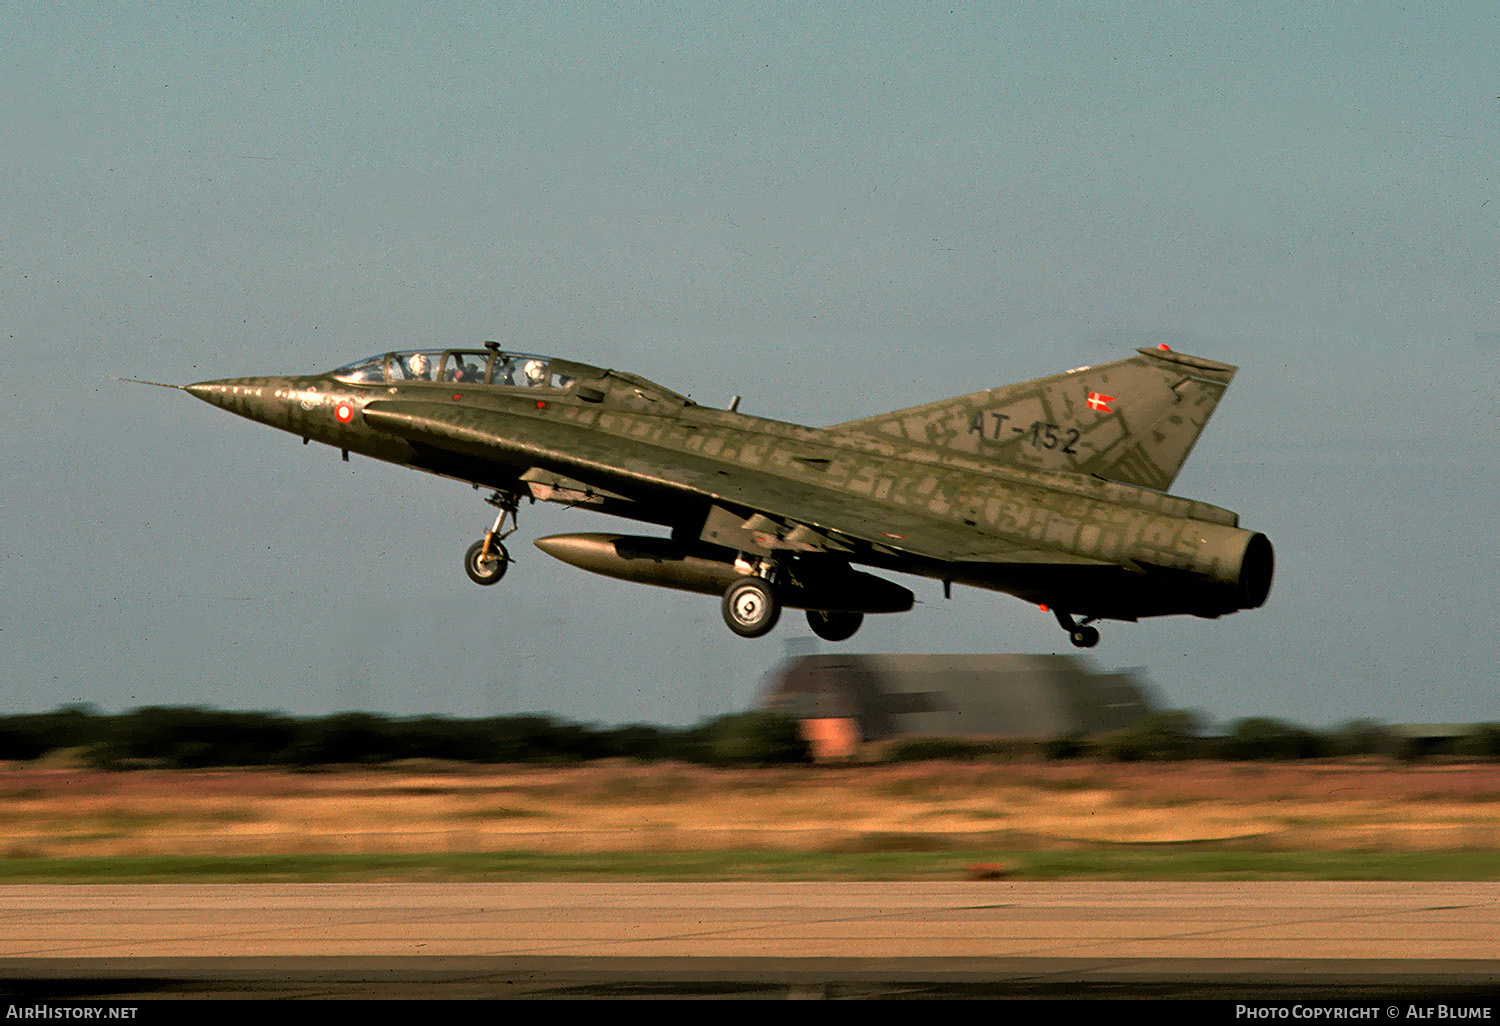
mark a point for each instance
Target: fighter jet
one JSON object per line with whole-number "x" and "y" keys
{"x": 1054, "y": 490}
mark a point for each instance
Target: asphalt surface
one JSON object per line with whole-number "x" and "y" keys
{"x": 1262, "y": 940}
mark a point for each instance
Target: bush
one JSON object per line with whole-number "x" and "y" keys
{"x": 641, "y": 741}
{"x": 756, "y": 738}
{"x": 925, "y": 749}
{"x": 32, "y": 735}
{"x": 1363, "y": 737}
{"x": 1261, "y": 738}
{"x": 1483, "y": 743}
{"x": 1161, "y": 736}
{"x": 1067, "y": 746}
{"x": 193, "y": 737}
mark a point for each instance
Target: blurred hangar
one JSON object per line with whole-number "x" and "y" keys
{"x": 843, "y": 701}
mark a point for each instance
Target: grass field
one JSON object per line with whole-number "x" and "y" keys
{"x": 1355, "y": 819}
{"x": 743, "y": 865}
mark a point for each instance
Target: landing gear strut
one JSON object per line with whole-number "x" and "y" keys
{"x": 487, "y": 559}
{"x": 1080, "y": 633}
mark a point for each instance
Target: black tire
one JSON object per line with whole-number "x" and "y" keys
{"x": 488, "y": 571}
{"x": 1084, "y": 637}
{"x": 834, "y": 625}
{"x": 751, "y": 607}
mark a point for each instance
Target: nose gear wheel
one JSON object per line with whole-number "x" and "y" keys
{"x": 486, "y": 567}
{"x": 487, "y": 559}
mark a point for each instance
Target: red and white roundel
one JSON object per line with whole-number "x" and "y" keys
{"x": 343, "y": 412}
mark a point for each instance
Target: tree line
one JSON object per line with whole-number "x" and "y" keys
{"x": 192, "y": 737}
{"x": 195, "y": 737}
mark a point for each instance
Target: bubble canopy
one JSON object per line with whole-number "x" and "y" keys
{"x": 457, "y": 366}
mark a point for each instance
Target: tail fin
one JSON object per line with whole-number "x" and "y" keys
{"x": 1133, "y": 421}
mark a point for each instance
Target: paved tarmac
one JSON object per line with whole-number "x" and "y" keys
{"x": 991, "y": 938}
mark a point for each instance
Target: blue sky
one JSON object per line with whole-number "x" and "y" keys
{"x": 830, "y": 209}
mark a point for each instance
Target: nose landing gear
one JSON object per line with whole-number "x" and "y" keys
{"x": 487, "y": 559}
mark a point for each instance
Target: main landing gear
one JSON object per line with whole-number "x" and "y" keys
{"x": 487, "y": 559}
{"x": 1079, "y": 633}
{"x": 752, "y": 606}
{"x": 834, "y": 624}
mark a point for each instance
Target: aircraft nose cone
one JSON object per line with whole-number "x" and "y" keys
{"x": 249, "y": 397}
{"x": 213, "y": 392}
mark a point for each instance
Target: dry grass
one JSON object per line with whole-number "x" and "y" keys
{"x": 1335, "y": 805}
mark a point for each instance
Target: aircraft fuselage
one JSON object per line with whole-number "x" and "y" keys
{"x": 748, "y": 491}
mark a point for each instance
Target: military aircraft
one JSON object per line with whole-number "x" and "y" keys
{"x": 1053, "y": 490}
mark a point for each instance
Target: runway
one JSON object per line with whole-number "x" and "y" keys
{"x": 992, "y": 938}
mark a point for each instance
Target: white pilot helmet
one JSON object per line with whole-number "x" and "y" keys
{"x": 418, "y": 365}
{"x": 535, "y": 371}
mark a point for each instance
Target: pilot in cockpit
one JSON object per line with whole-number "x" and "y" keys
{"x": 535, "y": 372}
{"x": 418, "y": 367}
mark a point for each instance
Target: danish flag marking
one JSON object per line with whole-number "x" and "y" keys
{"x": 1099, "y": 403}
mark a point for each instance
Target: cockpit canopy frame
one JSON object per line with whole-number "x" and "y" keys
{"x": 493, "y": 367}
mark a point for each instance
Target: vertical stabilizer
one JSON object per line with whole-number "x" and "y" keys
{"x": 1132, "y": 421}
